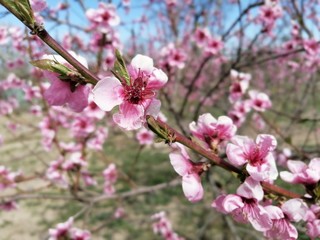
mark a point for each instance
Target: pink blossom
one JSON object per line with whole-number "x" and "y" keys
{"x": 119, "y": 213}
{"x": 74, "y": 162}
{"x": 259, "y": 101}
{"x": 191, "y": 182}
{"x": 137, "y": 99}
{"x": 7, "y": 178}
{"x": 301, "y": 172}
{"x": 98, "y": 139}
{"x": 281, "y": 227}
{"x": 163, "y": 227}
{"x": 54, "y": 173}
{"x": 59, "y": 93}
{"x": 8, "y": 206}
{"x": 214, "y": 46}
{"x": 239, "y": 84}
{"x": 38, "y": 5}
{"x": 103, "y": 18}
{"x": 244, "y": 206}
{"x": 110, "y": 175}
{"x": 257, "y": 155}
{"x": 145, "y": 136}
{"x": 283, "y": 157}
{"x": 202, "y": 36}
{"x": 61, "y": 231}
{"x": 213, "y": 131}
{"x": 82, "y": 127}
{"x": 3, "y": 35}
{"x": 313, "y": 229}
{"x": 79, "y": 234}
{"x": 173, "y": 56}
{"x": 87, "y": 178}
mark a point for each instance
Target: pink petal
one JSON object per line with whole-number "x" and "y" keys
{"x": 144, "y": 63}
{"x": 232, "y": 202}
{"x": 106, "y": 93}
{"x": 180, "y": 164}
{"x": 295, "y": 209}
{"x": 130, "y": 116}
{"x": 192, "y": 188}
{"x": 235, "y": 155}
{"x": 251, "y": 189}
{"x": 157, "y": 79}
{"x": 78, "y": 100}
{"x": 296, "y": 166}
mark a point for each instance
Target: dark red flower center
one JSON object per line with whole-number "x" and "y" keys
{"x": 137, "y": 91}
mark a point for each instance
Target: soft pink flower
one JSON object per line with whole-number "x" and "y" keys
{"x": 202, "y": 36}
{"x": 8, "y": 206}
{"x": 59, "y": 93}
{"x": 103, "y": 18}
{"x": 259, "y": 101}
{"x": 38, "y": 5}
{"x": 301, "y": 172}
{"x": 257, "y": 155}
{"x": 191, "y": 181}
{"x": 145, "y": 136}
{"x": 61, "y": 231}
{"x": 214, "y": 46}
{"x": 244, "y": 206}
{"x": 239, "y": 85}
{"x": 313, "y": 229}
{"x": 213, "y": 131}
{"x": 110, "y": 174}
{"x": 137, "y": 99}
{"x": 173, "y": 56}
{"x": 3, "y": 35}
{"x": 74, "y": 162}
{"x": 281, "y": 227}
{"x": 79, "y": 234}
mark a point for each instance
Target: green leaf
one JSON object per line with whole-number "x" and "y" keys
{"x": 119, "y": 69}
{"x": 52, "y": 66}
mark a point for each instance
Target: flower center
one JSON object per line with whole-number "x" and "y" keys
{"x": 137, "y": 91}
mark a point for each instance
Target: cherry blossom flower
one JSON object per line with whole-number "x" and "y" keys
{"x": 173, "y": 56}
{"x": 163, "y": 227}
{"x": 213, "y": 131}
{"x": 239, "y": 85}
{"x": 59, "y": 93}
{"x": 7, "y": 178}
{"x": 244, "y": 206}
{"x": 190, "y": 172}
{"x": 61, "y": 231}
{"x": 259, "y": 101}
{"x": 66, "y": 231}
{"x": 292, "y": 210}
{"x": 214, "y": 46}
{"x": 3, "y": 35}
{"x": 301, "y": 172}
{"x": 8, "y": 206}
{"x": 257, "y": 155}
{"x": 110, "y": 175}
{"x": 201, "y": 36}
{"x": 313, "y": 221}
{"x": 38, "y": 5}
{"x": 135, "y": 100}
{"x": 145, "y": 136}
{"x": 103, "y": 18}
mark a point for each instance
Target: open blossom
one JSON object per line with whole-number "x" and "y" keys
{"x": 190, "y": 172}
{"x": 136, "y": 99}
{"x": 257, "y": 155}
{"x": 145, "y": 136}
{"x": 163, "y": 227}
{"x": 301, "y": 172}
{"x": 244, "y": 206}
{"x": 201, "y": 36}
{"x": 213, "y": 131}
{"x": 259, "y": 101}
{"x": 110, "y": 175}
{"x": 239, "y": 84}
{"x": 313, "y": 222}
{"x": 59, "y": 93}
{"x": 38, "y": 5}
{"x": 292, "y": 210}
{"x": 103, "y": 18}
{"x": 173, "y": 56}
{"x": 66, "y": 231}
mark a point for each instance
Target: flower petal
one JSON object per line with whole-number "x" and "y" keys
{"x": 106, "y": 93}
